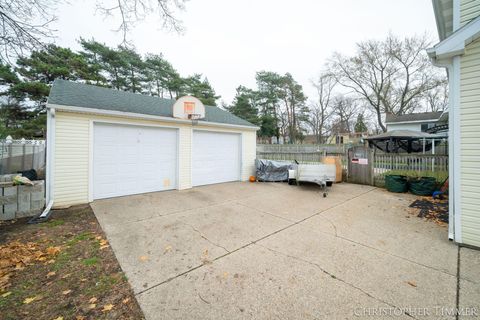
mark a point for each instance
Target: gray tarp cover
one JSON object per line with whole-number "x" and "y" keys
{"x": 270, "y": 170}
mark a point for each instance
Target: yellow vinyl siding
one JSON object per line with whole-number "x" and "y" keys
{"x": 72, "y": 153}
{"x": 249, "y": 153}
{"x": 469, "y": 10}
{"x": 71, "y": 160}
{"x": 470, "y": 142}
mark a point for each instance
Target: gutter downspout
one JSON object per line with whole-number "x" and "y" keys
{"x": 451, "y": 160}
{"x": 49, "y": 168}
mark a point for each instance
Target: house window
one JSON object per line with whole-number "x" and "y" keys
{"x": 424, "y": 127}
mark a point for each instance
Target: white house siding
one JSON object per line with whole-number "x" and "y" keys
{"x": 72, "y": 153}
{"x": 470, "y": 142}
{"x": 469, "y": 9}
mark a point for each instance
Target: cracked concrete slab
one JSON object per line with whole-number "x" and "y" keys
{"x": 405, "y": 284}
{"x": 382, "y": 221}
{"x": 153, "y": 251}
{"x": 269, "y": 250}
{"x": 469, "y": 283}
{"x": 255, "y": 283}
{"x": 299, "y": 202}
{"x": 232, "y": 226}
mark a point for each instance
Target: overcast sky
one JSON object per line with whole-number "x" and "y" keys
{"x": 228, "y": 41}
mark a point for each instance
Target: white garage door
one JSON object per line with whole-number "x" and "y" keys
{"x": 133, "y": 159}
{"x": 215, "y": 157}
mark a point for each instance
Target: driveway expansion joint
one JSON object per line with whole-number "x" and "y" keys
{"x": 248, "y": 244}
{"x": 331, "y": 275}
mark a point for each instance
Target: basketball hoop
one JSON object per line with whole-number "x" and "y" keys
{"x": 194, "y": 117}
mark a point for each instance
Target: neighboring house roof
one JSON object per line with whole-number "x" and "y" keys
{"x": 455, "y": 44}
{"x": 444, "y": 17}
{"x": 413, "y": 117}
{"x": 68, "y": 93}
{"x": 404, "y": 134}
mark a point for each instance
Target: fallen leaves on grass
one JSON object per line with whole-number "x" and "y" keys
{"x": 29, "y": 300}
{"x": 51, "y": 274}
{"x": 17, "y": 255}
{"x": 53, "y": 250}
{"x": 102, "y": 242}
{"x": 6, "y": 294}
{"x": 66, "y": 292}
{"x": 126, "y": 300}
{"x": 92, "y": 306}
{"x": 58, "y": 318}
{"x": 107, "y": 307}
{"x": 92, "y": 300}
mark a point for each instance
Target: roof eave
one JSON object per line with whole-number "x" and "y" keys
{"x": 412, "y": 121}
{"x": 439, "y": 19}
{"x": 123, "y": 114}
{"x": 455, "y": 44}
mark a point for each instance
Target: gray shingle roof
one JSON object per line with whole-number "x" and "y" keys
{"x": 76, "y": 94}
{"x": 424, "y": 116}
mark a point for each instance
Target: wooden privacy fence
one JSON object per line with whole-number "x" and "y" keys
{"x": 291, "y": 156}
{"x": 301, "y": 152}
{"x": 409, "y": 164}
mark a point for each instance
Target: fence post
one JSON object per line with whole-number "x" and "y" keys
{"x": 371, "y": 162}
{"x": 8, "y": 141}
{"x": 24, "y": 151}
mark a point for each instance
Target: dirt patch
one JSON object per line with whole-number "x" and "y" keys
{"x": 62, "y": 269}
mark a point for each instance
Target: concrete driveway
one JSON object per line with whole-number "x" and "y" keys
{"x": 274, "y": 251}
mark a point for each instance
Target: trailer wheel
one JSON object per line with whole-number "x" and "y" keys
{"x": 324, "y": 194}
{"x": 291, "y": 182}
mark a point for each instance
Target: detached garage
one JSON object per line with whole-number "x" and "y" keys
{"x": 104, "y": 143}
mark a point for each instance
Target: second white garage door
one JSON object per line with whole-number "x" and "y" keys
{"x": 215, "y": 157}
{"x": 133, "y": 159}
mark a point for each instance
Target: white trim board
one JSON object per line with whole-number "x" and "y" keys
{"x": 146, "y": 117}
{"x": 455, "y": 107}
{"x": 414, "y": 121}
{"x": 50, "y": 165}
{"x": 455, "y": 44}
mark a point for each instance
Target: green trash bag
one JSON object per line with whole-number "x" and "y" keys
{"x": 396, "y": 183}
{"x": 424, "y": 186}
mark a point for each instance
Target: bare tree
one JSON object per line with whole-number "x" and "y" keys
{"x": 23, "y": 25}
{"x": 132, "y": 11}
{"x": 437, "y": 98}
{"x": 345, "y": 110}
{"x": 26, "y": 24}
{"x": 321, "y": 110}
{"x": 390, "y": 75}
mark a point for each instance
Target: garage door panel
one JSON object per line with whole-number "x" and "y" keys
{"x": 133, "y": 159}
{"x": 215, "y": 157}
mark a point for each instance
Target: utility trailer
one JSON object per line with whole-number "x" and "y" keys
{"x": 322, "y": 174}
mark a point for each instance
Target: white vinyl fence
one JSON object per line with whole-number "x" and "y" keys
{"x": 407, "y": 164}
{"x": 20, "y": 155}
